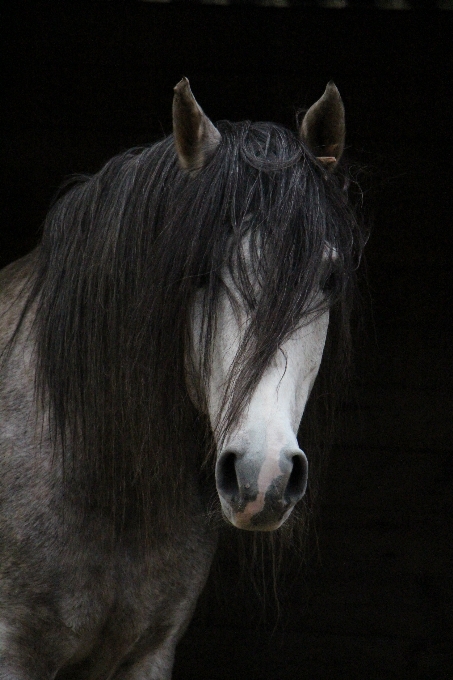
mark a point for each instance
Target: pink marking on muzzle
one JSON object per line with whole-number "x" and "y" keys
{"x": 270, "y": 470}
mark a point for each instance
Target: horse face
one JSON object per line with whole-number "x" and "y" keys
{"x": 261, "y": 472}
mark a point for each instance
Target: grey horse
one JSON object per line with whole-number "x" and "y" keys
{"x": 157, "y": 351}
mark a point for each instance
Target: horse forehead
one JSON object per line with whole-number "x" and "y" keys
{"x": 249, "y": 249}
{"x": 242, "y": 253}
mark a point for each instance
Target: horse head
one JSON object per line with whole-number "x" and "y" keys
{"x": 261, "y": 472}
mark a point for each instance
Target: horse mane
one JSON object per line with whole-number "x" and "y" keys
{"x": 122, "y": 256}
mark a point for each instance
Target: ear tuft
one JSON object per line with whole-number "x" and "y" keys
{"x": 196, "y": 138}
{"x": 323, "y": 127}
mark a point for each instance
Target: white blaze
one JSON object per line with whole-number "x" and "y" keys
{"x": 269, "y": 424}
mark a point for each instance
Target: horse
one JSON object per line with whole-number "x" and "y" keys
{"x": 158, "y": 349}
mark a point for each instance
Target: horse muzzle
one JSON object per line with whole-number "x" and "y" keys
{"x": 258, "y": 492}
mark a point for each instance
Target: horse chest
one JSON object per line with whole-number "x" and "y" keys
{"x": 129, "y": 590}
{"x": 91, "y": 607}
{"x": 127, "y": 604}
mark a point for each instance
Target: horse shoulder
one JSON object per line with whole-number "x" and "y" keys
{"x": 14, "y": 285}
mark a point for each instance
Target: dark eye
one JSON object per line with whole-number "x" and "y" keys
{"x": 202, "y": 281}
{"x": 329, "y": 283}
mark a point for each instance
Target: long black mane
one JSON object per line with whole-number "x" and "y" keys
{"x": 122, "y": 256}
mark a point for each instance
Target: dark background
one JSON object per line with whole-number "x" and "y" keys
{"x": 85, "y": 81}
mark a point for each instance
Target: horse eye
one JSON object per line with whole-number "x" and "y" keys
{"x": 202, "y": 281}
{"x": 329, "y": 283}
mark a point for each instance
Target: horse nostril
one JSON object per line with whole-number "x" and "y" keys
{"x": 227, "y": 481}
{"x": 297, "y": 482}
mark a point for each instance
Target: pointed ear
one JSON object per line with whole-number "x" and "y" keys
{"x": 323, "y": 127}
{"x": 196, "y": 138}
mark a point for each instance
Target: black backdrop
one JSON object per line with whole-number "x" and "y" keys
{"x": 85, "y": 81}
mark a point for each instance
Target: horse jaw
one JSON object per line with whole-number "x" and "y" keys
{"x": 261, "y": 472}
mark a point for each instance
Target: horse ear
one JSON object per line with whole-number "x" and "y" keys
{"x": 323, "y": 127}
{"x": 196, "y": 138}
